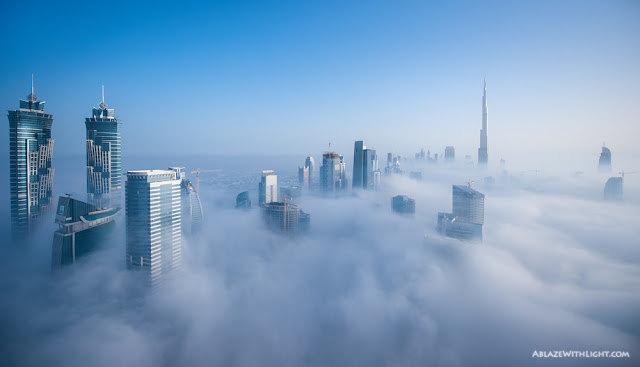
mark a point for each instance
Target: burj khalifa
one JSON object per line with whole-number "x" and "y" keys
{"x": 483, "y": 156}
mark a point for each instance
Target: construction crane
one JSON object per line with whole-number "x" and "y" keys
{"x": 466, "y": 182}
{"x": 197, "y": 172}
{"x": 622, "y": 173}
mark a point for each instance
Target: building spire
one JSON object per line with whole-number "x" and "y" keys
{"x": 102, "y": 105}
{"x": 32, "y": 97}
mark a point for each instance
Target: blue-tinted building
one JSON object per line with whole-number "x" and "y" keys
{"x": 332, "y": 173}
{"x": 192, "y": 214}
{"x": 243, "y": 200}
{"x": 466, "y": 221}
{"x": 613, "y": 189}
{"x": 604, "y": 163}
{"x": 403, "y": 204}
{"x": 358, "y": 164}
{"x": 366, "y": 174}
{"x": 104, "y": 168}
{"x": 154, "y": 238}
{"x": 30, "y": 169}
{"x": 82, "y": 229}
{"x": 286, "y": 218}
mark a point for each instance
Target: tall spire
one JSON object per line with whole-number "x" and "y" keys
{"x": 102, "y": 105}
{"x": 32, "y": 97}
{"x": 483, "y": 155}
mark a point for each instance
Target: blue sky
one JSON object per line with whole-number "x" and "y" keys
{"x": 287, "y": 77}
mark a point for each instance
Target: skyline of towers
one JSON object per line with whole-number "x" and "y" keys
{"x": 153, "y": 210}
{"x": 268, "y": 188}
{"x": 30, "y": 169}
{"x": 104, "y": 166}
{"x": 483, "y": 155}
{"x": 81, "y": 229}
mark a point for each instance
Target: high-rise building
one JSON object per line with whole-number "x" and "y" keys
{"x": 310, "y": 163}
{"x": 268, "y": 188}
{"x": 285, "y": 217}
{"x": 304, "y": 176}
{"x": 83, "y": 227}
{"x": 483, "y": 155}
{"x": 332, "y": 172}
{"x": 449, "y": 153}
{"x": 190, "y": 203}
{"x": 365, "y": 163}
{"x": 403, "y": 204}
{"x": 613, "y": 188}
{"x": 243, "y": 200}
{"x": 154, "y": 239}
{"x": 604, "y": 164}
{"x": 30, "y": 169}
{"x": 358, "y": 164}
{"x": 466, "y": 221}
{"x": 104, "y": 169}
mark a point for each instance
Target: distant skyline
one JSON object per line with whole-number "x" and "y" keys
{"x": 288, "y": 77}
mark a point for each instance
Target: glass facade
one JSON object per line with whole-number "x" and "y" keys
{"x": 104, "y": 168}
{"x": 30, "y": 168}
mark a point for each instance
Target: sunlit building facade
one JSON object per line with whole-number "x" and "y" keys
{"x": 268, "y": 188}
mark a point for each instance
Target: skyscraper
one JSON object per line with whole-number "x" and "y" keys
{"x": 613, "y": 188}
{"x": 104, "y": 169}
{"x": 604, "y": 163}
{"x": 483, "y": 155}
{"x": 243, "y": 200}
{"x": 303, "y": 177}
{"x": 268, "y": 188}
{"x": 332, "y": 172}
{"x": 466, "y": 221}
{"x": 189, "y": 202}
{"x": 310, "y": 163}
{"x": 154, "y": 240}
{"x": 358, "y": 162}
{"x": 403, "y": 204}
{"x": 82, "y": 228}
{"x": 365, "y": 164}
{"x": 286, "y": 218}
{"x": 30, "y": 169}
{"x": 449, "y": 153}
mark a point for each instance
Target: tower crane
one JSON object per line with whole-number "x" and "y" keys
{"x": 466, "y": 182}
{"x": 197, "y": 173}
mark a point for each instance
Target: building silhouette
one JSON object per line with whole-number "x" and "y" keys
{"x": 403, "y": 204}
{"x": 449, "y": 153}
{"x": 604, "y": 163}
{"x": 305, "y": 174}
{"x": 613, "y": 189}
{"x": 483, "y": 155}
{"x": 30, "y": 168}
{"x": 285, "y": 217}
{"x": 268, "y": 188}
{"x": 104, "y": 167}
{"x": 366, "y": 174}
{"x": 192, "y": 214}
{"x": 243, "y": 201}
{"x": 332, "y": 173}
{"x": 154, "y": 239}
{"x": 83, "y": 227}
{"x": 465, "y": 223}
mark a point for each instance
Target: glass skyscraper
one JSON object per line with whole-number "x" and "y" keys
{"x": 190, "y": 202}
{"x": 466, "y": 221}
{"x": 104, "y": 170}
{"x": 366, "y": 174}
{"x": 268, "y": 188}
{"x": 154, "y": 239}
{"x": 30, "y": 169}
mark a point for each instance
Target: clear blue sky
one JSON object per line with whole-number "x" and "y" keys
{"x": 287, "y": 77}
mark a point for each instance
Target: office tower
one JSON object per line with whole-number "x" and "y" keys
{"x": 365, "y": 163}
{"x": 389, "y": 159}
{"x": 604, "y": 164}
{"x": 310, "y": 164}
{"x": 268, "y": 188}
{"x": 104, "y": 170}
{"x": 286, "y": 218}
{"x": 483, "y": 155}
{"x": 191, "y": 212}
{"x": 83, "y": 227}
{"x": 449, "y": 153}
{"x": 466, "y": 221}
{"x": 358, "y": 164}
{"x": 403, "y": 204}
{"x": 30, "y": 169}
{"x": 303, "y": 177}
{"x": 613, "y": 189}
{"x": 332, "y": 172}
{"x": 154, "y": 241}
{"x": 243, "y": 200}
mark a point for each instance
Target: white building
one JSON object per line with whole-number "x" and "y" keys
{"x": 268, "y": 188}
